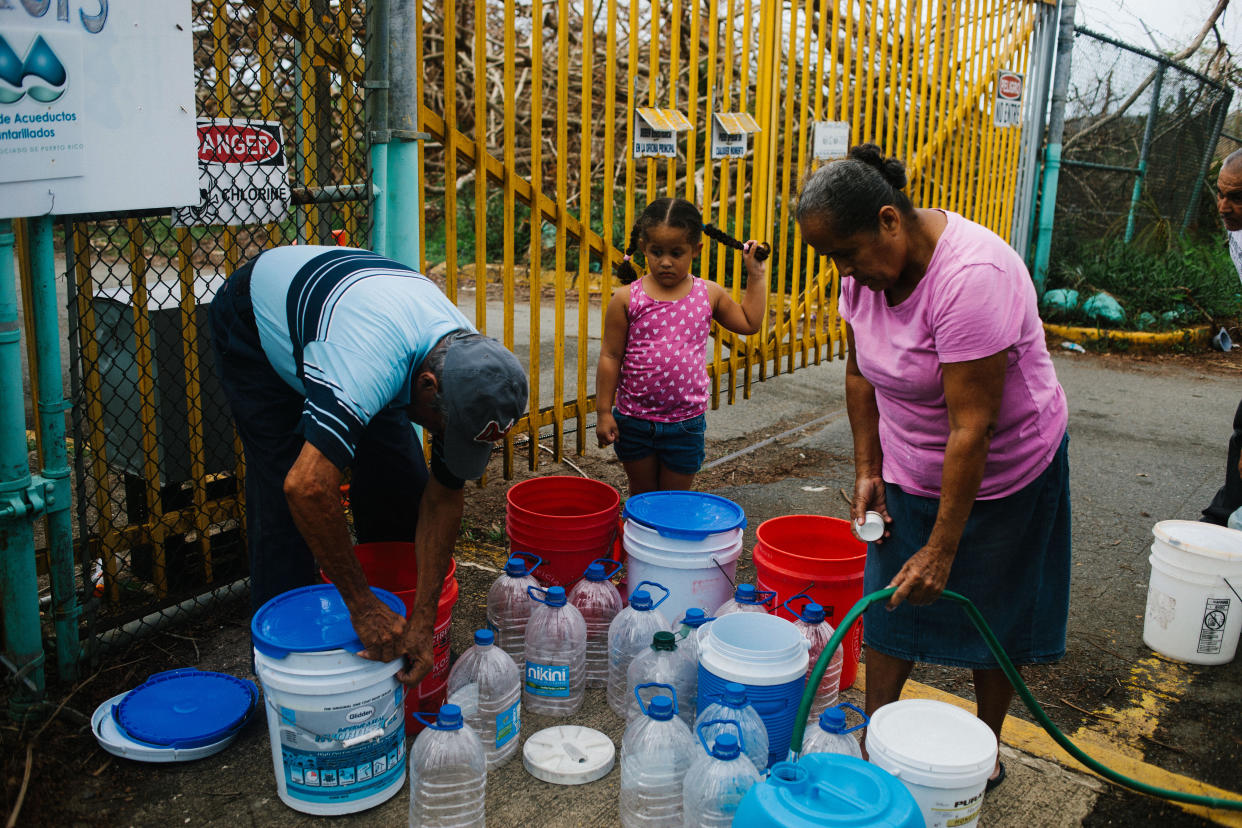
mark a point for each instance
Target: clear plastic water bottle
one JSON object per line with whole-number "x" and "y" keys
{"x": 717, "y": 781}
{"x": 656, "y": 752}
{"x": 599, "y": 601}
{"x": 448, "y": 773}
{"x": 817, "y": 631}
{"x": 733, "y": 706}
{"x": 486, "y": 685}
{"x": 555, "y": 655}
{"x": 831, "y": 735}
{"x": 664, "y": 663}
{"x": 746, "y": 599}
{"x": 509, "y": 606}
{"x": 628, "y": 634}
{"x": 689, "y": 632}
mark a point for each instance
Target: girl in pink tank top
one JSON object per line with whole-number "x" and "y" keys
{"x": 651, "y": 384}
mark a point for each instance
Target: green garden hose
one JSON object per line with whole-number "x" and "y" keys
{"x": 1019, "y": 685}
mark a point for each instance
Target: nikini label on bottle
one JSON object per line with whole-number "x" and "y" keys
{"x": 550, "y": 680}
{"x": 509, "y": 724}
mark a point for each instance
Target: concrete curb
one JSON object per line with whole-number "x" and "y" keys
{"x": 1198, "y": 336}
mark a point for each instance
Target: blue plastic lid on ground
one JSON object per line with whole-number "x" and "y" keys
{"x": 685, "y": 515}
{"x": 310, "y": 619}
{"x": 826, "y": 789}
{"x": 185, "y": 708}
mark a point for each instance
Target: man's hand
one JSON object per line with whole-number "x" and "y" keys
{"x": 380, "y": 630}
{"x": 923, "y": 577}
{"x": 419, "y": 655}
{"x": 605, "y": 428}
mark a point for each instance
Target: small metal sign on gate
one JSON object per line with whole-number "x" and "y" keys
{"x": 1007, "y": 111}
{"x": 243, "y": 175}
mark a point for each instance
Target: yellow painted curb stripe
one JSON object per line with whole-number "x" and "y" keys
{"x": 1031, "y": 738}
{"x": 1183, "y": 336}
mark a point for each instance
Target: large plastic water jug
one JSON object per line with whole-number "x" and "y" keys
{"x": 766, "y": 655}
{"x": 732, "y": 705}
{"x": 509, "y": 606}
{"x": 831, "y": 733}
{"x": 628, "y": 634}
{"x": 486, "y": 685}
{"x": 555, "y": 655}
{"x": 664, "y": 663}
{"x": 815, "y": 629}
{"x": 746, "y": 599}
{"x": 448, "y": 773}
{"x": 656, "y": 752}
{"x": 599, "y": 601}
{"x": 828, "y": 789}
{"x": 717, "y": 781}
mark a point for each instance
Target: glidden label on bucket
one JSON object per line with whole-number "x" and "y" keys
{"x": 346, "y": 753}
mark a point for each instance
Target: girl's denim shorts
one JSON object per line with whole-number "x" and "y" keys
{"x": 678, "y": 446}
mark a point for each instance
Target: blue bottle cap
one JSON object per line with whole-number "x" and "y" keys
{"x": 745, "y": 594}
{"x": 695, "y": 617}
{"x": 734, "y": 695}
{"x": 832, "y": 720}
{"x": 660, "y": 708}
{"x": 449, "y": 717}
{"x": 595, "y": 572}
{"x": 308, "y": 620}
{"x": 726, "y": 747}
{"x": 640, "y": 599}
{"x": 685, "y": 515}
{"x": 516, "y": 568}
{"x": 813, "y": 614}
{"x": 556, "y": 596}
{"x": 185, "y": 708}
{"x": 484, "y": 638}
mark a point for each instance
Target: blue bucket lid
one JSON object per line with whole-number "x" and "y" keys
{"x": 185, "y": 708}
{"x": 685, "y": 515}
{"x": 309, "y": 620}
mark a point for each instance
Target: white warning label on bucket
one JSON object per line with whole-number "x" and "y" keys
{"x": 1212, "y": 631}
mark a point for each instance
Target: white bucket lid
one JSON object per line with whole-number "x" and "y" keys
{"x": 931, "y": 743}
{"x": 1198, "y": 538}
{"x": 568, "y": 755}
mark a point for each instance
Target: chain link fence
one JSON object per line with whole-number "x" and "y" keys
{"x": 1140, "y": 135}
{"x": 283, "y": 159}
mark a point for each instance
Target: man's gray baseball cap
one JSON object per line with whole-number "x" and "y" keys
{"x": 484, "y": 391}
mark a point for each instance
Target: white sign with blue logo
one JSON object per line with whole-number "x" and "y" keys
{"x": 96, "y": 107}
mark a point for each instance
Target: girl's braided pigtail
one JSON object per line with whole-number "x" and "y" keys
{"x": 724, "y": 238}
{"x": 625, "y": 271}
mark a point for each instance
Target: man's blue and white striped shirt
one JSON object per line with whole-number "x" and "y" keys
{"x": 347, "y": 329}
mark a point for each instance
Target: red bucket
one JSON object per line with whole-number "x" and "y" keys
{"x": 567, "y": 521}
{"x": 391, "y": 565}
{"x": 819, "y": 556}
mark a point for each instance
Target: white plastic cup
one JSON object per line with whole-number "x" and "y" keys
{"x": 870, "y": 528}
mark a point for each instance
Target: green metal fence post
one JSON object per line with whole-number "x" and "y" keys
{"x": 404, "y": 100}
{"x": 1144, "y": 151}
{"x": 1052, "y": 154}
{"x": 55, "y": 472}
{"x": 377, "y": 121}
{"x": 1208, "y": 151}
{"x": 19, "y": 584}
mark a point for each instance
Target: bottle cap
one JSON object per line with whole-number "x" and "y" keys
{"x": 640, "y": 599}
{"x": 660, "y": 708}
{"x": 870, "y": 528}
{"x": 484, "y": 638}
{"x": 734, "y": 695}
{"x": 813, "y": 613}
{"x": 556, "y": 596}
{"x": 832, "y": 720}
{"x": 595, "y": 572}
{"x": 516, "y": 568}
{"x": 664, "y": 640}
{"x": 726, "y": 747}
{"x": 745, "y": 594}
{"x": 449, "y": 717}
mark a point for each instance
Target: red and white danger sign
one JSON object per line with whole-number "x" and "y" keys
{"x": 1007, "y": 110}
{"x": 242, "y": 174}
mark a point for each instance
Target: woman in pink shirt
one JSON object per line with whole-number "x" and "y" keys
{"x": 959, "y": 429}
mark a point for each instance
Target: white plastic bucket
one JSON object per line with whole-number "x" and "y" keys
{"x": 941, "y": 753}
{"x": 336, "y": 726}
{"x": 769, "y": 657}
{"x": 697, "y": 573}
{"x": 1192, "y": 613}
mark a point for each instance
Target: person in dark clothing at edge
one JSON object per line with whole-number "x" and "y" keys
{"x": 1229, "y": 204}
{"x": 327, "y": 356}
